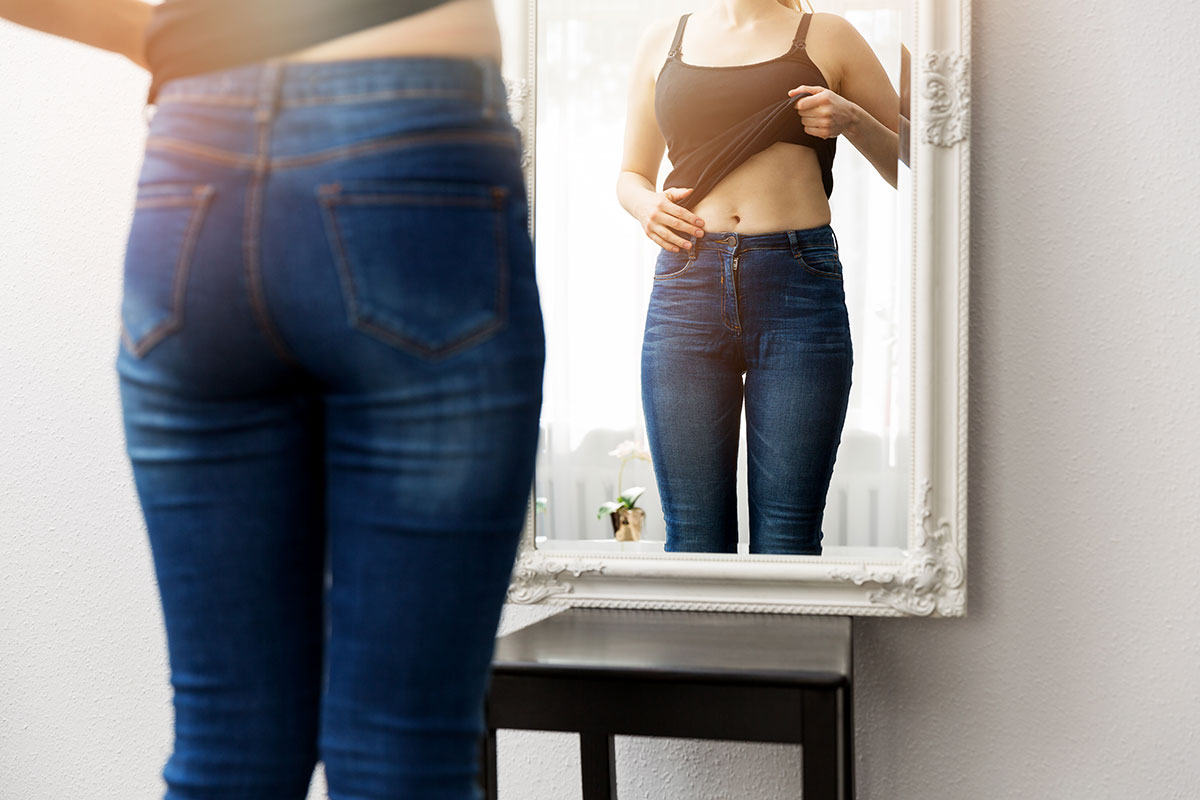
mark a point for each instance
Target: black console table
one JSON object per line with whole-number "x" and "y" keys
{"x": 686, "y": 674}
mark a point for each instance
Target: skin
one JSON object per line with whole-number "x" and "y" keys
{"x": 113, "y": 25}
{"x": 460, "y": 28}
{"x": 779, "y": 187}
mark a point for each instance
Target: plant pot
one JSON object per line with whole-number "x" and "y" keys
{"x": 627, "y": 524}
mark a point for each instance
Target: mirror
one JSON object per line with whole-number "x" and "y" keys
{"x": 569, "y": 65}
{"x": 597, "y": 277}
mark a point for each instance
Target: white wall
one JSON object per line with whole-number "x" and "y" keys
{"x": 1077, "y": 673}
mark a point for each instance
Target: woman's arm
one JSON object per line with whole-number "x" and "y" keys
{"x": 115, "y": 25}
{"x": 664, "y": 222}
{"x": 865, "y": 108}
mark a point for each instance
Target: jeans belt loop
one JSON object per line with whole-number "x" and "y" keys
{"x": 268, "y": 89}
{"x": 487, "y": 86}
{"x": 794, "y": 242}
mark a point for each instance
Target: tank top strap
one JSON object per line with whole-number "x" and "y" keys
{"x": 678, "y": 36}
{"x": 802, "y": 31}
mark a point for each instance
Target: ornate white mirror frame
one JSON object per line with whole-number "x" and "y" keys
{"x": 928, "y": 578}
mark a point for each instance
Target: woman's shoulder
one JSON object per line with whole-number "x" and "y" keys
{"x": 827, "y": 23}
{"x": 830, "y": 41}
{"x": 661, "y": 31}
{"x": 654, "y": 44}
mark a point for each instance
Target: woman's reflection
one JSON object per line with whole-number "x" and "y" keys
{"x": 749, "y": 103}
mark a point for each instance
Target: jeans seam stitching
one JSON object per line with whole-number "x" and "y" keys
{"x": 453, "y": 136}
{"x": 687, "y": 264}
{"x": 174, "y": 319}
{"x": 819, "y": 273}
{"x": 200, "y": 151}
{"x": 252, "y": 226}
{"x": 335, "y": 99}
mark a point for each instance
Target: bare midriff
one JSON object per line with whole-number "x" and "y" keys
{"x": 776, "y": 189}
{"x": 459, "y": 28}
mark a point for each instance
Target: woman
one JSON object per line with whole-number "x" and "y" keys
{"x": 748, "y": 281}
{"x": 330, "y": 373}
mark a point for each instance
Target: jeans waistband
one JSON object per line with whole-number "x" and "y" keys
{"x": 276, "y": 83}
{"x": 790, "y": 239}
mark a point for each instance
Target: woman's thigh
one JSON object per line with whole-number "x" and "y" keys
{"x": 691, "y": 374}
{"x": 232, "y": 494}
{"x": 795, "y": 412}
{"x": 798, "y": 378}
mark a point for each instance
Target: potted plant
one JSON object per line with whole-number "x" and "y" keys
{"x": 626, "y": 517}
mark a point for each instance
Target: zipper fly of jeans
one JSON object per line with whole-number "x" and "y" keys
{"x": 731, "y": 300}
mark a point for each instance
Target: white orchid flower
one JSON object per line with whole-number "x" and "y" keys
{"x": 629, "y": 449}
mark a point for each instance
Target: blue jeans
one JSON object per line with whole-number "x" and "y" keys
{"x": 330, "y": 374}
{"x": 769, "y": 307}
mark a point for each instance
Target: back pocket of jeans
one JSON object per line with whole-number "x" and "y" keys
{"x": 167, "y": 218}
{"x": 423, "y": 264}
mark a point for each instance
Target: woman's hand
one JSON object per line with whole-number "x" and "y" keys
{"x": 824, "y": 112}
{"x": 661, "y": 218}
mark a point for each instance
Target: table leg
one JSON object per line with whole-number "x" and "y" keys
{"x": 597, "y": 757}
{"x": 848, "y": 741}
{"x": 487, "y": 765}
{"x": 822, "y": 746}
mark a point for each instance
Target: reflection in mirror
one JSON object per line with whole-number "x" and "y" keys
{"x": 905, "y": 104}
{"x": 749, "y": 393}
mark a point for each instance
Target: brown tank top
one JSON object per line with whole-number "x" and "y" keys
{"x": 714, "y": 118}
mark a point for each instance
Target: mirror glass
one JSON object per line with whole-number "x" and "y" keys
{"x": 596, "y": 271}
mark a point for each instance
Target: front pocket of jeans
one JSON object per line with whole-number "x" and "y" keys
{"x": 167, "y": 218}
{"x": 423, "y": 264}
{"x": 673, "y": 263}
{"x": 822, "y": 261}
